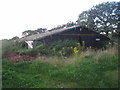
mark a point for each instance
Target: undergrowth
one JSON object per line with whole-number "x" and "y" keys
{"x": 89, "y": 69}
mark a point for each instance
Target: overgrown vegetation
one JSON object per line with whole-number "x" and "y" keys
{"x": 10, "y": 46}
{"x": 103, "y": 17}
{"x": 89, "y": 69}
{"x": 62, "y": 64}
{"x": 67, "y": 64}
{"x": 59, "y": 48}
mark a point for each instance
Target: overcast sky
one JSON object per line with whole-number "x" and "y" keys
{"x": 17, "y": 16}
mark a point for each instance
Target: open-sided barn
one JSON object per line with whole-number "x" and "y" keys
{"x": 76, "y": 33}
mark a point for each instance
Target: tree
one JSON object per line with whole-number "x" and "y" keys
{"x": 101, "y": 18}
{"x": 32, "y": 32}
{"x": 40, "y": 30}
{"x": 69, "y": 24}
{"x": 27, "y": 33}
{"x": 15, "y": 38}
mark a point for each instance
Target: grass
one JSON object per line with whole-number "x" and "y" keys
{"x": 89, "y": 69}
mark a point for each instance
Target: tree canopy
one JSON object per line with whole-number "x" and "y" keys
{"x": 32, "y": 32}
{"x": 102, "y": 17}
{"x": 69, "y": 24}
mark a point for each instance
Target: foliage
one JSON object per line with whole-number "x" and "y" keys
{"x": 102, "y": 17}
{"x": 69, "y": 24}
{"x": 10, "y": 46}
{"x": 15, "y": 38}
{"x": 60, "y": 48}
{"x": 32, "y": 32}
{"x": 64, "y": 48}
{"x": 7, "y": 46}
{"x": 87, "y": 70}
{"x": 0, "y": 48}
{"x": 114, "y": 37}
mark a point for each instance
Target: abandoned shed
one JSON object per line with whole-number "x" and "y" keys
{"x": 76, "y": 33}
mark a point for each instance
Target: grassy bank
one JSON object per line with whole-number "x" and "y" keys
{"x": 88, "y": 69}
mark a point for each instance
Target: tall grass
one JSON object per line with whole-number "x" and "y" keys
{"x": 90, "y": 69}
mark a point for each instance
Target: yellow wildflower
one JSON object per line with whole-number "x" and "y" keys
{"x": 78, "y": 43}
{"x": 60, "y": 52}
{"x": 54, "y": 49}
{"x": 63, "y": 48}
{"x": 76, "y": 50}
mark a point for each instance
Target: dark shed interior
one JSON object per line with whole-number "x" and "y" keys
{"x": 79, "y": 34}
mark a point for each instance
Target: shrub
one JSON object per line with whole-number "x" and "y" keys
{"x": 7, "y": 46}
{"x": 10, "y": 46}
{"x": 60, "y": 48}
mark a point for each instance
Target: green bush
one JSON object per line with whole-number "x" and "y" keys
{"x": 60, "y": 48}
{"x": 11, "y": 46}
{"x": 7, "y": 46}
